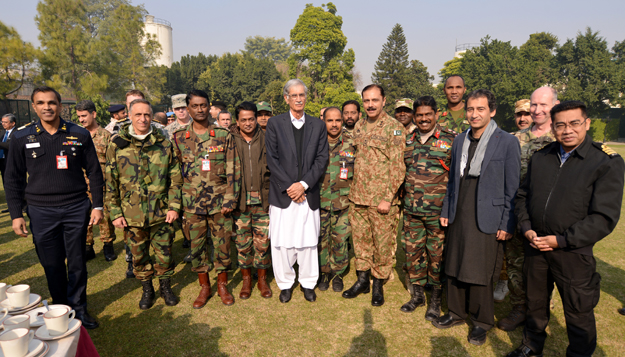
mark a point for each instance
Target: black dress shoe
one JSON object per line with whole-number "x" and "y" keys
{"x": 89, "y": 252}
{"x": 5, "y": 211}
{"x": 89, "y": 322}
{"x": 309, "y": 294}
{"x": 523, "y": 351}
{"x": 285, "y": 296}
{"x": 477, "y": 336}
{"x": 621, "y": 311}
{"x": 446, "y": 321}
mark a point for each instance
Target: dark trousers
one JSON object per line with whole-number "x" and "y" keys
{"x": 578, "y": 283}
{"x": 60, "y": 233}
{"x": 464, "y": 299}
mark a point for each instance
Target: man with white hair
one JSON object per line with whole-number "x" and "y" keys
{"x": 297, "y": 155}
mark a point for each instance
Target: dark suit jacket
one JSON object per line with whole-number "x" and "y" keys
{"x": 282, "y": 159}
{"x": 497, "y": 186}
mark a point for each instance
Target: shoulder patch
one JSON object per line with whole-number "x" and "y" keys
{"x": 397, "y": 132}
{"x": 121, "y": 143}
{"x": 607, "y": 150}
{"x": 24, "y": 126}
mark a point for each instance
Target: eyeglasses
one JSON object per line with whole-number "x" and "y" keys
{"x": 575, "y": 124}
{"x": 295, "y": 96}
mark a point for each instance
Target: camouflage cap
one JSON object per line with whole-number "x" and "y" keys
{"x": 178, "y": 101}
{"x": 404, "y": 102}
{"x": 264, "y": 106}
{"x": 522, "y": 105}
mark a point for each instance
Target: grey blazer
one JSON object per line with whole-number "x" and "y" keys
{"x": 497, "y": 186}
{"x": 282, "y": 159}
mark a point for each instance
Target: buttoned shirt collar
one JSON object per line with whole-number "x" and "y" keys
{"x": 298, "y": 123}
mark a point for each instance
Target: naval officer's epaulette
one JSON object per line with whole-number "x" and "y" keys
{"x": 24, "y": 126}
{"x": 606, "y": 149}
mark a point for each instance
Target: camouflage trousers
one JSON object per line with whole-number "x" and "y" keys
{"x": 107, "y": 230}
{"x": 196, "y": 228}
{"x": 160, "y": 237}
{"x": 252, "y": 240}
{"x": 423, "y": 243}
{"x": 515, "y": 256}
{"x": 375, "y": 239}
{"x": 333, "y": 237}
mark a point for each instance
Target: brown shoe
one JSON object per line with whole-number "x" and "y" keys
{"x": 222, "y": 289}
{"x": 246, "y": 289}
{"x": 515, "y": 319}
{"x": 263, "y": 287}
{"x": 205, "y": 293}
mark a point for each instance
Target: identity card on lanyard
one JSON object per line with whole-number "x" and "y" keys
{"x": 61, "y": 161}
{"x": 206, "y": 163}
{"x": 344, "y": 171}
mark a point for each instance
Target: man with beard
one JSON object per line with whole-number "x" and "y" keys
{"x": 264, "y": 112}
{"x": 404, "y": 114}
{"x": 351, "y": 115}
{"x": 211, "y": 175}
{"x": 455, "y": 116}
{"x": 522, "y": 115}
{"x": 427, "y": 158}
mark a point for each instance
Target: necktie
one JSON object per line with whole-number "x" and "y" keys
{"x": 4, "y": 139}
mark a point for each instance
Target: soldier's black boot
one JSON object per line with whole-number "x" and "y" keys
{"x": 109, "y": 252}
{"x": 89, "y": 252}
{"x": 416, "y": 300}
{"x": 337, "y": 284}
{"x": 147, "y": 298}
{"x": 434, "y": 310}
{"x": 324, "y": 281}
{"x": 166, "y": 293}
{"x": 186, "y": 243}
{"x": 188, "y": 258}
{"x": 377, "y": 296}
{"x": 361, "y": 286}
{"x": 129, "y": 271}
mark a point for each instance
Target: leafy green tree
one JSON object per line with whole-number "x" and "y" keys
{"x": 618, "y": 53}
{"x": 320, "y": 59}
{"x": 420, "y": 81}
{"x": 273, "y": 94}
{"x": 276, "y": 50}
{"x": 450, "y": 68}
{"x": 99, "y": 11}
{"x": 184, "y": 75}
{"x": 392, "y": 70}
{"x": 16, "y": 60}
{"x": 101, "y": 107}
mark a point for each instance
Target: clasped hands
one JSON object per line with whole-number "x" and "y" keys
{"x": 544, "y": 244}
{"x": 296, "y": 192}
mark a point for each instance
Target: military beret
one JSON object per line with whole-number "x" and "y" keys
{"x": 404, "y": 102}
{"x": 115, "y": 108}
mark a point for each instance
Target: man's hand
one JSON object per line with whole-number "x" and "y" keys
{"x": 295, "y": 192}
{"x": 503, "y": 235}
{"x": 19, "y": 227}
{"x": 120, "y": 223}
{"x": 96, "y": 217}
{"x": 171, "y": 216}
{"x": 444, "y": 221}
{"x": 384, "y": 207}
{"x": 226, "y": 211}
{"x": 545, "y": 244}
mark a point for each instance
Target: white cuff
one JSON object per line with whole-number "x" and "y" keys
{"x": 99, "y": 208}
{"x": 304, "y": 184}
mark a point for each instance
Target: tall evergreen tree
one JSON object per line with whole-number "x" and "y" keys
{"x": 392, "y": 67}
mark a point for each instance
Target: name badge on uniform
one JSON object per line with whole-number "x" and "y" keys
{"x": 33, "y": 145}
{"x": 206, "y": 164}
{"x": 344, "y": 171}
{"x": 61, "y": 161}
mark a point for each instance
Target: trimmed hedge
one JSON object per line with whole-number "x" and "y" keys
{"x": 598, "y": 130}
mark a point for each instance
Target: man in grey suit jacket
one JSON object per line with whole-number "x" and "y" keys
{"x": 478, "y": 208}
{"x": 297, "y": 155}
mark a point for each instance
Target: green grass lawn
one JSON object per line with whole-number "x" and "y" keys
{"x": 331, "y": 326}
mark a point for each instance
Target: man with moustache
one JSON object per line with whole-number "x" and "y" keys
{"x": 522, "y": 115}
{"x": 427, "y": 158}
{"x": 351, "y": 115}
{"x": 211, "y": 175}
{"x": 86, "y": 112}
{"x": 264, "y": 112}
{"x": 479, "y": 210}
{"x": 404, "y": 114}
{"x": 379, "y": 171}
{"x": 251, "y": 217}
{"x": 335, "y": 227}
{"x": 531, "y": 140}
{"x": 454, "y": 117}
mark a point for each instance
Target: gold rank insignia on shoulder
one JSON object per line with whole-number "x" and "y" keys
{"x": 64, "y": 127}
{"x": 24, "y": 126}
{"x": 608, "y": 150}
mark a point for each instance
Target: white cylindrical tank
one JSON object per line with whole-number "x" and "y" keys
{"x": 161, "y": 30}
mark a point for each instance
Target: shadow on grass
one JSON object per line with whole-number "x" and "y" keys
{"x": 156, "y": 329}
{"x": 370, "y": 342}
{"x": 446, "y": 346}
{"x": 611, "y": 280}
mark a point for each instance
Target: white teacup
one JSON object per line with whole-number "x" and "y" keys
{"x": 18, "y": 295}
{"x": 3, "y": 290}
{"x": 18, "y": 321}
{"x": 14, "y": 343}
{"x": 4, "y": 313}
{"x": 57, "y": 320}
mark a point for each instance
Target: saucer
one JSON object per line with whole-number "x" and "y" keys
{"x": 35, "y": 346}
{"x": 33, "y": 300}
{"x": 36, "y": 321}
{"x": 45, "y": 351}
{"x": 43, "y": 334}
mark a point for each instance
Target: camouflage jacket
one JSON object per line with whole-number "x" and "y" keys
{"x": 446, "y": 121}
{"x": 334, "y": 189}
{"x": 529, "y": 145}
{"x": 379, "y": 167}
{"x": 143, "y": 178}
{"x": 349, "y": 131}
{"x": 427, "y": 172}
{"x": 100, "y": 141}
{"x": 175, "y": 126}
{"x": 206, "y": 191}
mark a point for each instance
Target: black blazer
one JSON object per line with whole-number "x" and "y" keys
{"x": 5, "y": 145}
{"x": 282, "y": 159}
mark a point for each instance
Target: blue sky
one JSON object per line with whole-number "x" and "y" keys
{"x": 432, "y": 28}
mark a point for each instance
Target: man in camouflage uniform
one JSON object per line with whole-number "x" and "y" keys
{"x": 264, "y": 112}
{"x": 532, "y": 139}
{"x": 211, "y": 172}
{"x": 522, "y": 115}
{"x": 404, "y": 114}
{"x": 379, "y": 171}
{"x": 251, "y": 217}
{"x": 351, "y": 115}
{"x": 86, "y": 112}
{"x": 143, "y": 190}
{"x": 454, "y": 117}
{"x": 427, "y": 158}
{"x": 335, "y": 227}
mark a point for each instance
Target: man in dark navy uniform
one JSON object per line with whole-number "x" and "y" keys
{"x": 45, "y": 169}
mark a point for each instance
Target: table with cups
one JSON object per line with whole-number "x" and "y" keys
{"x": 32, "y": 331}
